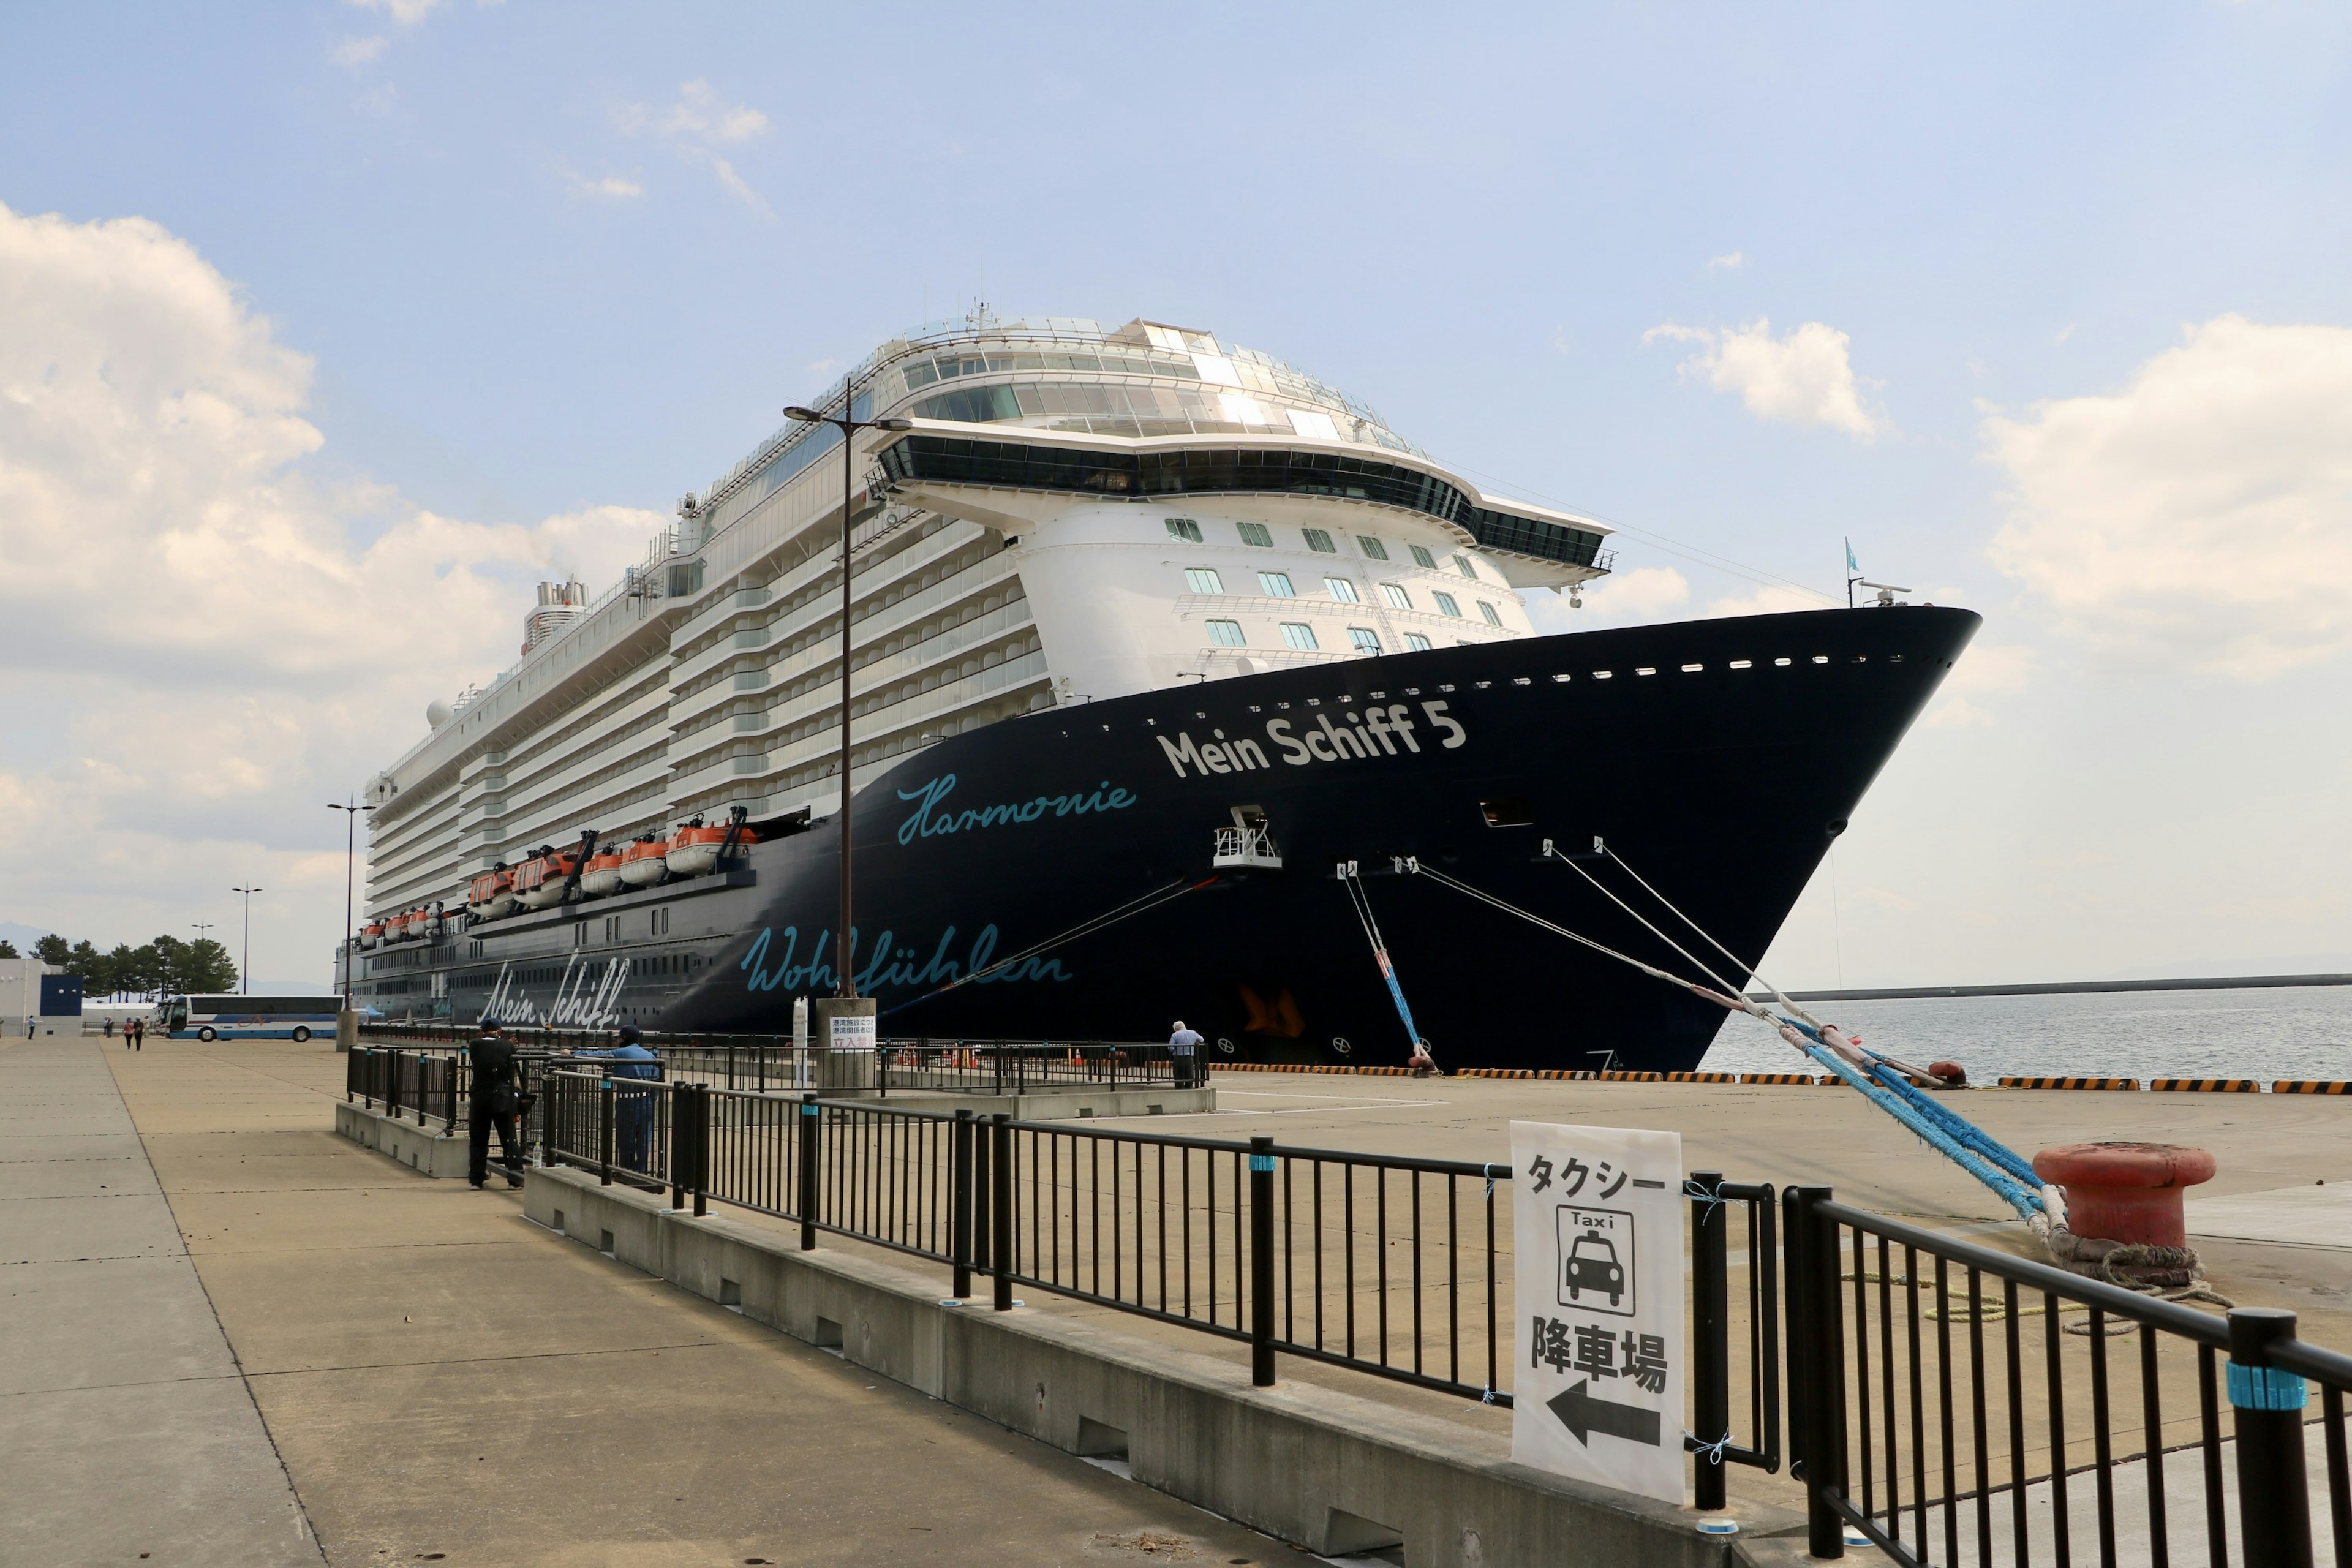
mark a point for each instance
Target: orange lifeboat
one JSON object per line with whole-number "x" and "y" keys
{"x": 644, "y": 862}
{"x": 492, "y": 893}
{"x": 694, "y": 848}
{"x": 372, "y": 933}
{"x": 539, "y": 880}
{"x": 602, "y": 875}
{"x": 404, "y": 925}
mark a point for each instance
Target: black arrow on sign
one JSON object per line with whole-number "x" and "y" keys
{"x": 1583, "y": 1414}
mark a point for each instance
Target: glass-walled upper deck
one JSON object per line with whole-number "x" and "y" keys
{"x": 1066, "y": 374}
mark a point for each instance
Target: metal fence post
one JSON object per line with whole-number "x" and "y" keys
{"x": 1710, "y": 1336}
{"x": 701, "y": 1150}
{"x": 449, "y": 1093}
{"x": 1823, "y": 1329}
{"x": 1261, "y": 1202}
{"x": 605, "y": 1134}
{"x": 812, "y": 1119}
{"x": 2266, "y": 1403}
{"x": 680, "y": 1104}
{"x": 392, "y": 1095}
{"x": 1000, "y": 1231}
{"x": 959, "y": 1200}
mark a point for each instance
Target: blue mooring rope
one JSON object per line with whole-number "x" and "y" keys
{"x": 2027, "y": 1202}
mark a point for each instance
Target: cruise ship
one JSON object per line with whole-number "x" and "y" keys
{"x": 1169, "y": 662}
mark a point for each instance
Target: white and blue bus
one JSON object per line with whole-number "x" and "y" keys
{"x": 245, "y": 1017}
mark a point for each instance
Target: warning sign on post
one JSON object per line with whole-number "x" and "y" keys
{"x": 1599, "y": 1233}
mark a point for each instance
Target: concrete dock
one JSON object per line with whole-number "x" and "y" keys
{"x": 322, "y": 1357}
{"x": 237, "y": 1338}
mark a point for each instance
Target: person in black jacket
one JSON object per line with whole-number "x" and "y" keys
{"x": 494, "y": 1098}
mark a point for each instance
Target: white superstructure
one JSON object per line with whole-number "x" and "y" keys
{"x": 1078, "y": 514}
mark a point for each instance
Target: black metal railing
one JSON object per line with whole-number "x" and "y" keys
{"x": 1381, "y": 1264}
{"x": 1713, "y": 1205}
{"x": 771, "y": 1062}
{"x": 1956, "y": 1405}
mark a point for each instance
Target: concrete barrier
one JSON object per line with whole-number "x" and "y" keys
{"x": 1060, "y": 1102}
{"x": 1324, "y": 1470}
{"x": 428, "y": 1150}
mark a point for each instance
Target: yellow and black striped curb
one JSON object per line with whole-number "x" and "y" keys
{"x": 1583, "y": 1074}
{"x": 1308, "y": 1066}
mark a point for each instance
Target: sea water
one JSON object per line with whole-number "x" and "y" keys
{"x": 2300, "y": 1032}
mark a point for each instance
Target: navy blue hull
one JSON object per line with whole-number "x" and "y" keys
{"x": 1722, "y": 785}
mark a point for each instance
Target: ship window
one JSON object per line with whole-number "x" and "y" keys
{"x": 1185, "y": 529}
{"x": 1373, "y": 548}
{"x": 1743, "y": 663}
{"x": 1227, "y": 634}
{"x": 1203, "y": 580}
{"x": 1366, "y": 639}
{"x": 1487, "y": 610}
{"x": 1462, "y": 565}
{"x": 1510, "y": 811}
{"x": 1298, "y": 635}
{"x": 1446, "y": 607}
{"x": 1780, "y": 661}
{"x": 1320, "y": 541}
{"x": 1256, "y": 533}
{"x": 1342, "y": 590}
{"x": 1397, "y": 597}
{"x": 1422, "y": 557}
{"x": 1416, "y": 643}
{"x": 1275, "y": 585}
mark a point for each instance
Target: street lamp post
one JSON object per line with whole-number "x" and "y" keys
{"x": 246, "y": 985}
{"x": 351, "y": 852}
{"x": 848, "y": 426}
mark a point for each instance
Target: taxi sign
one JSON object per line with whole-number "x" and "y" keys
{"x": 1598, "y": 1225}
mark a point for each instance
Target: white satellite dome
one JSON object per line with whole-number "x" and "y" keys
{"x": 437, "y": 713}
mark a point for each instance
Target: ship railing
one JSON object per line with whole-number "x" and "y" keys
{"x": 1953, "y": 1403}
{"x": 1385, "y": 1265}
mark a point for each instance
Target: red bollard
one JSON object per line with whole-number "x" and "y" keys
{"x": 2125, "y": 1192}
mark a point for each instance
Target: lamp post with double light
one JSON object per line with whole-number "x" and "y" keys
{"x": 848, "y": 1025}
{"x": 350, "y": 859}
{"x": 849, "y": 427}
{"x": 244, "y": 969}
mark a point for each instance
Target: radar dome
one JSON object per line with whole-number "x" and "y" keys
{"x": 437, "y": 713}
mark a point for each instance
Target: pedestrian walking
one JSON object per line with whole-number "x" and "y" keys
{"x": 110, "y": 1032}
{"x": 495, "y": 1097}
{"x": 137, "y": 1030}
{"x": 633, "y": 1109}
{"x": 1184, "y": 1048}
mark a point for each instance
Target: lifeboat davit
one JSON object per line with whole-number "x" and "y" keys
{"x": 644, "y": 862}
{"x": 694, "y": 848}
{"x": 539, "y": 880}
{"x": 602, "y": 875}
{"x": 492, "y": 894}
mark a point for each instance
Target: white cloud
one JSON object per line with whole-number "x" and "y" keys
{"x": 2203, "y": 515}
{"x": 1731, "y": 262}
{"x": 359, "y": 51}
{"x": 406, "y": 13}
{"x": 695, "y": 126}
{"x": 1983, "y": 670}
{"x": 1804, "y": 378}
{"x": 205, "y": 643}
{"x": 1766, "y": 599}
{"x": 612, "y": 187}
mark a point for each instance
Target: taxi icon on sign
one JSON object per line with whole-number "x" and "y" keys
{"x": 1591, "y": 1264}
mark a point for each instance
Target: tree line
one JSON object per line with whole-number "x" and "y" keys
{"x": 163, "y": 966}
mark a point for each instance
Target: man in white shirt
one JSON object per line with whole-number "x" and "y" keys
{"x": 1184, "y": 1045}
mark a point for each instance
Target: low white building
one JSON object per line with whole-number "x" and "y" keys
{"x": 29, "y": 1006}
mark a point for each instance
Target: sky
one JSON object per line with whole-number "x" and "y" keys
{"x": 327, "y": 329}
